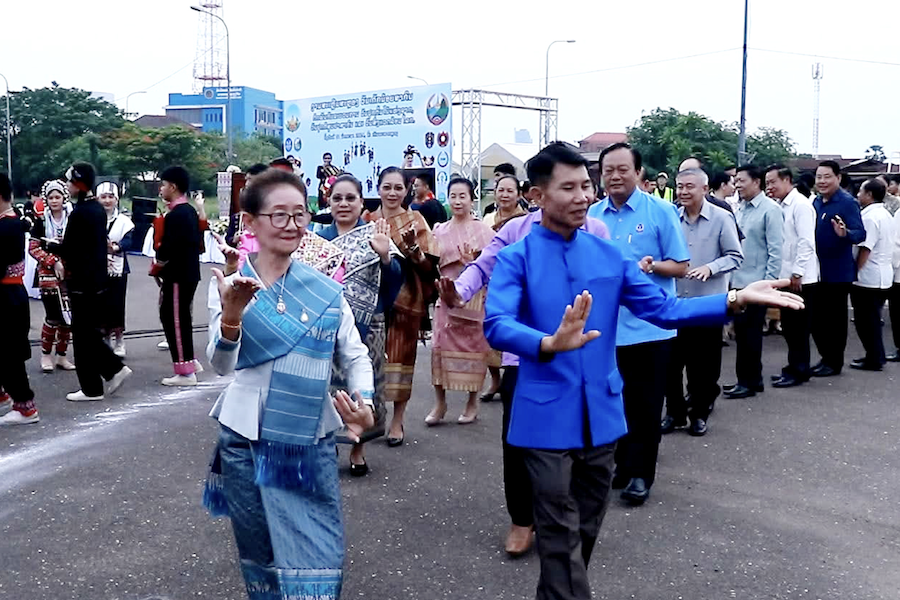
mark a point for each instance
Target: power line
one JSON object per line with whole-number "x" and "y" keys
{"x": 820, "y": 56}
{"x": 167, "y": 77}
{"x": 618, "y": 68}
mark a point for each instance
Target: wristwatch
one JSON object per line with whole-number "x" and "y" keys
{"x": 733, "y": 307}
{"x": 652, "y": 264}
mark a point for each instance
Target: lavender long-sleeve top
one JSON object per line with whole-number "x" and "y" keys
{"x": 478, "y": 272}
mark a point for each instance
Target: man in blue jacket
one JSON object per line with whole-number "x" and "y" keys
{"x": 567, "y": 411}
{"x": 838, "y": 227}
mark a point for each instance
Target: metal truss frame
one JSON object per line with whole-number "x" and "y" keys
{"x": 472, "y": 101}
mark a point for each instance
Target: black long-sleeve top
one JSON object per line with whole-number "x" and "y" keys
{"x": 83, "y": 248}
{"x": 181, "y": 245}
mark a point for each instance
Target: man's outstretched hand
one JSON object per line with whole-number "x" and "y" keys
{"x": 570, "y": 335}
{"x": 448, "y": 293}
{"x": 768, "y": 293}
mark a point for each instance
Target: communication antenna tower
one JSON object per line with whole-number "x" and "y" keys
{"x": 209, "y": 66}
{"x": 817, "y": 73}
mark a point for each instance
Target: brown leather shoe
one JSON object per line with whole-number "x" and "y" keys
{"x": 519, "y": 540}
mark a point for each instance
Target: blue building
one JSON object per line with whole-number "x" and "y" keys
{"x": 254, "y": 111}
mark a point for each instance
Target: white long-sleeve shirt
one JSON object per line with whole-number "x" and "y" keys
{"x": 240, "y": 406}
{"x": 799, "y": 254}
{"x": 896, "y": 253}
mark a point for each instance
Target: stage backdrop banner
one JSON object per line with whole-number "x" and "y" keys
{"x": 366, "y": 132}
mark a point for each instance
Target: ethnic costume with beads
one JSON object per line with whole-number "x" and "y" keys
{"x": 15, "y": 349}
{"x": 275, "y": 468}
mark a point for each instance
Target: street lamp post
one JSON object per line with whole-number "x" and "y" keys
{"x": 8, "y": 135}
{"x": 129, "y": 96}
{"x": 547, "y": 65}
{"x": 417, "y": 79}
{"x": 227, "y": 74}
{"x": 547, "y": 87}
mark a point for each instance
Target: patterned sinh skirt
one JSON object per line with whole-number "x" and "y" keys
{"x": 460, "y": 351}
{"x": 375, "y": 340}
{"x": 402, "y": 337}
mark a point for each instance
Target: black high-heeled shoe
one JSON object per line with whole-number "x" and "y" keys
{"x": 359, "y": 470}
{"x": 489, "y": 396}
{"x": 393, "y": 442}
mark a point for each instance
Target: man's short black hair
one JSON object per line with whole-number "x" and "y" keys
{"x": 540, "y": 166}
{"x": 635, "y": 155}
{"x": 752, "y": 171}
{"x": 782, "y": 171}
{"x": 177, "y": 176}
{"x": 505, "y": 169}
{"x": 876, "y": 188}
{"x": 830, "y": 164}
{"x": 328, "y": 155}
{"x": 426, "y": 178}
{"x": 895, "y": 178}
{"x": 718, "y": 180}
{"x": 257, "y": 169}
{"x": 5, "y": 188}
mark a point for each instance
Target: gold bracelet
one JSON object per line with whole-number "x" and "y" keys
{"x": 230, "y": 326}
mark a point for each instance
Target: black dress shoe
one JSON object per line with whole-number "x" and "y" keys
{"x": 619, "y": 482}
{"x": 698, "y": 428}
{"x": 636, "y": 493}
{"x": 670, "y": 424}
{"x": 893, "y": 357}
{"x": 728, "y": 388}
{"x": 864, "y": 365}
{"x": 393, "y": 442}
{"x": 739, "y": 392}
{"x": 821, "y": 370}
{"x": 358, "y": 470}
{"x": 786, "y": 381}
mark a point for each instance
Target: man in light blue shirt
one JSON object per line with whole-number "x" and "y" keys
{"x": 761, "y": 220}
{"x": 647, "y": 230}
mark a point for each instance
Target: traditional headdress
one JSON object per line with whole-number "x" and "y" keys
{"x": 108, "y": 187}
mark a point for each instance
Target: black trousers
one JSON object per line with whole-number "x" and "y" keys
{"x": 699, "y": 351}
{"x": 894, "y": 306}
{"x": 175, "y": 316}
{"x": 571, "y": 493}
{"x": 748, "y": 337}
{"x": 14, "y": 381}
{"x": 516, "y": 481}
{"x": 795, "y": 326}
{"x": 867, "y": 305}
{"x": 94, "y": 360}
{"x": 643, "y": 368}
{"x": 115, "y": 297}
{"x": 828, "y": 314}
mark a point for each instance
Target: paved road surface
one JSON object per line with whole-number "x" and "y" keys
{"x": 792, "y": 495}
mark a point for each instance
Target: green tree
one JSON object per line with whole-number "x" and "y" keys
{"x": 44, "y": 121}
{"x": 667, "y": 137}
{"x": 256, "y": 149}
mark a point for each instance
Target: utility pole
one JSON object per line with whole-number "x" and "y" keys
{"x": 817, "y": 74}
{"x": 742, "y": 136}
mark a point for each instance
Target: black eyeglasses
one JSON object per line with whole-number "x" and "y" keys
{"x": 280, "y": 220}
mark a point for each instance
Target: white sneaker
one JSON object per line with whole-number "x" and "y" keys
{"x": 80, "y": 396}
{"x": 119, "y": 348}
{"x": 180, "y": 380}
{"x": 163, "y": 345}
{"x": 6, "y": 405}
{"x": 118, "y": 379}
{"x": 198, "y": 368}
{"x": 47, "y": 363}
{"x": 14, "y": 417}
{"x": 64, "y": 363}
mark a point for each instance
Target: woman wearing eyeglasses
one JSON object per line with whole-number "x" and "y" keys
{"x": 277, "y": 325}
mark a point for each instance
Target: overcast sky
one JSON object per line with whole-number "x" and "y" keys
{"x": 300, "y": 49}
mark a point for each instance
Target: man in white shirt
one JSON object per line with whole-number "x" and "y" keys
{"x": 800, "y": 264}
{"x": 875, "y": 274}
{"x": 894, "y": 294}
